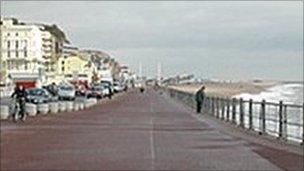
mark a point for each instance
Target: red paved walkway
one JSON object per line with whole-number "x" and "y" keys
{"x": 135, "y": 132}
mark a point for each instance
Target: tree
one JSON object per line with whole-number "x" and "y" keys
{"x": 95, "y": 77}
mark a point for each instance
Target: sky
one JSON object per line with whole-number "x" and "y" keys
{"x": 222, "y": 40}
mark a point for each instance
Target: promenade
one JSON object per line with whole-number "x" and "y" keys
{"x": 137, "y": 131}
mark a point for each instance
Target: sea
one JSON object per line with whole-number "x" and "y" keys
{"x": 292, "y": 95}
{"x": 289, "y": 93}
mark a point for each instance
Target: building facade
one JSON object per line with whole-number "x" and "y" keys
{"x": 76, "y": 68}
{"x": 53, "y": 46}
{"x": 29, "y": 52}
{"x": 21, "y": 53}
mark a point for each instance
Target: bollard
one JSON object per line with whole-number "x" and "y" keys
{"x": 54, "y": 107}
{"x": 43, "y": 108}
{"x": 69, "y": 106}
{"x": 4, "y": 112}
{"x": 81, "y": 106}
{"x": 76, "y": 106}
{"x": 90, "y": 102}
{"x": 94, "y": 101}
{"x": 87, "y": 103}
{"x": 31, "y": 109}
{"x": 62, "y": 106}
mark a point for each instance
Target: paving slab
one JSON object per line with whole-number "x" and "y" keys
{"x": 137, "y": 131}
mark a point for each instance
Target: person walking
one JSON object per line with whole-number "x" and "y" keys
{"x": 199, "y": 98}
{"x": 19, "y": 95}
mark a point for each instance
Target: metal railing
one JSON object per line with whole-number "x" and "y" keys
{"x": 284, "y": 121}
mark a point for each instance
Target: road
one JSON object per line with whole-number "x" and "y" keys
{"x": 138, "y": 132}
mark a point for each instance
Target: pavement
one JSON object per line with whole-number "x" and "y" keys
{"x": 139, "y": 131}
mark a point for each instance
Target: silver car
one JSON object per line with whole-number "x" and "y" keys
{"x": 38, "y": 95}
{"x": 66, "y": 92}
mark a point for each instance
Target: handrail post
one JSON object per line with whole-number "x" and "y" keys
{"x": 213, "y": 106}
{"x": 203, "y": 106}
{"x": 217, "y": 107}
{"x": 208, "y": 105}
{"x": 241, "y": 113}
{"x": 205, "y": 102}
{"x": 281, "y": 119}
{"x": 250, "y": 114}
{"x": 262, "y": 117}
{"x": 193, "y": 101}
{"x": 285, "y": 122}
{"x": 303, "y": 124}
{"x": 233, "y": 110}
{"x": 223, "y": 109}
{"x": 228, "y": 109}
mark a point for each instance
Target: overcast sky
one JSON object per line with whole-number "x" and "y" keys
{"x": 225, "y": 40}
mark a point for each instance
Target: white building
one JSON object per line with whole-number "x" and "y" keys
{"x": 21, "y": 52}
{"x": 30, "y": 52}
{"x": 101, "y": 60}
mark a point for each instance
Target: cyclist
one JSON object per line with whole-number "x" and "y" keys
{"x": 19, "y": 96}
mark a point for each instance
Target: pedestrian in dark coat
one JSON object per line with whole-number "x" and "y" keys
{"x": 199, "y": 98}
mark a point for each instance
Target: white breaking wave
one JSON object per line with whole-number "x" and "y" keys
{"x": 288, "y": 93}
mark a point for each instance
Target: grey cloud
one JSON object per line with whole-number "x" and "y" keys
{"x": 201, "y": 31}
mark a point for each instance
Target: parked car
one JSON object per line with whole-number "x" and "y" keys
{"x": 81, "y": 87}
{"x": 108, "y": 86}
{"x": 66, "y": 92}
{"x": 118, "y": 87}
{"x": 81, "y": 90}
{"x": 52, "y": 89}
{"x": 96, "y": 91}
{"x": 106, "y": 90}
{"x": 38, "y": 96}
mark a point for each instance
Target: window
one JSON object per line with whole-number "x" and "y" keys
{"x": 17, "y": 45}
{"x": 17, "y": 54}
{"x": 8, "y": 44}
{"x": 25, "y": 66}
{"x": 62, "y": 68}
{"x": 8, "y": 54}
{"x": 56, "y": 47}
{"x": 17, "y": 34}
{"x": 8, "y": 34}
{"x": 25, "y": 53}
{"x": 9, "y": 65}
{"x": 24, "y": 44}
{"x": 62, "y": 62}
